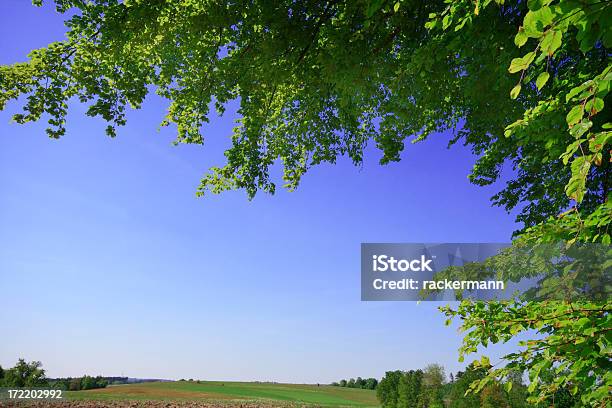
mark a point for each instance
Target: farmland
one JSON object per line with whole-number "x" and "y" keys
{"x": 231, "y": 393}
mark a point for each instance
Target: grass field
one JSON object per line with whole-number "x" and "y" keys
{"x": 323, "y": 395}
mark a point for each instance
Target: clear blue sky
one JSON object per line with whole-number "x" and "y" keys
{"x": 110, "y": 265}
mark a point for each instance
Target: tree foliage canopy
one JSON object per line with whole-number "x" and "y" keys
{"x": 316, "y": 80}
{"x": 24, "y": 374}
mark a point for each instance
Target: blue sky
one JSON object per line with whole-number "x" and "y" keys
{"x": 110, "y": 265}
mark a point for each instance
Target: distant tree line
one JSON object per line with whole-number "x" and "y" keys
{"x": 79, "y": 383}
{"x": 428, "y": 388}
{"x": 366, "y": 384}
{"x": 31, "y": 374}
{"x": 117, "y": 380}
{"x": 88, "y": 383}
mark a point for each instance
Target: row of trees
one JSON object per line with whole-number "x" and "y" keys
{"x": 80, "y": 383}
{"x": 428, "y": 388}
{"x": 366, "y": 384}
{"x": 414, "y": 388}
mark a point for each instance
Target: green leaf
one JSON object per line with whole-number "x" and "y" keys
{"x": 551, "y": 42}
{"x": 520, "y": 64}
{"x": 514, "y": 93}
{"x": 583, "y": 322}
{"x": 571, "y": 149}
{"x": 577, "y": 90}
{"x": 516, "y": 65}
{"x": 521, "y": 38}
{"x": 599, "y": 140}
{"x": 535, "y": 21}
{"x": 542, "y": 79}
{"x": 544, "y": 15}
{"x": 532, "y": 386}
{"x": 594, "y": 105}
{"x": 575, "y": 115}
{"x": 528, "y": 58}
{"x": 446, "y": 21}
{"x": 581, "y": 128}
{"x": 576, "y": 187}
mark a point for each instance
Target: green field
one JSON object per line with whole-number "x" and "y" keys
{"x": 324, "y": 395}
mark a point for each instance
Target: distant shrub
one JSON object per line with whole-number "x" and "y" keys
{"x": 366, "y": 384}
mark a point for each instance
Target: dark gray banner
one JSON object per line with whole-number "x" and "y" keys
{"x": 484, "y": 271}
{"x": 30, "y": 394}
